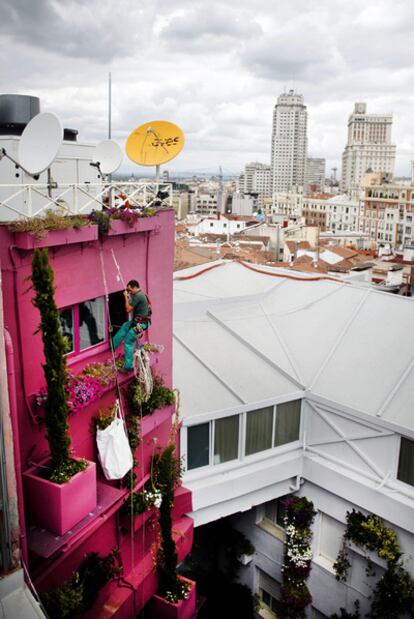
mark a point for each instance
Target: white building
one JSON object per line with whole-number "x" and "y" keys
{"x": 246, "y": 204}
{"x": 256, "y": 179}
{"x": 333, "y": 213}
{"x": 296, "y": 386}
{"x": 204, "y": 203}
{"x": 288, "y": 203}
{"x": 289, "y": 142}
{"x": 343, "y": 213}
{"x": 368, "y": 147}
{"x": 315, "y": 173}
{"x": 218, "y": 225}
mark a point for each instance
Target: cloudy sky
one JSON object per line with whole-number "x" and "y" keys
{"x": 214, "y": 67}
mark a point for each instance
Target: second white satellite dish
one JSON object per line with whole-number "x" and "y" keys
{"x": 108, "y": 154}
{"x": 40, "y": 142}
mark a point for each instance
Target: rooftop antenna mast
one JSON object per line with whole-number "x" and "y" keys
{"x": 220, "y": 191}
{"x": 109, "y": 106}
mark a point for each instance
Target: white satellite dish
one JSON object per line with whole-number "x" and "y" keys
{"x": 108, "y": 156}
{"x": 40, "y": 142}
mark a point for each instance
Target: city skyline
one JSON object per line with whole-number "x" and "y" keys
{"x": 216, "y": 71}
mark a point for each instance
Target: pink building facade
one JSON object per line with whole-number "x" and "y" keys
{"x": 87, "y": 267}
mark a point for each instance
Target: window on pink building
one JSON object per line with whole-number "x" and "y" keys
{"x": 84, "y": 324}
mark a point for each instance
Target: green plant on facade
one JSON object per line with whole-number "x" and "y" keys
{"x": 80, "y": 592}
{"x": 59, "y": 219}
{"x": 56, "y": 403}
{"x": 40, "y": 225}
{"x": 140, "y": 501}
{"x": 167, "y": 475}
{"x": 103, "y": 218}
{"x": 344, "y": 614}
{"x": 393, "y": 594}
{"x": 297, "y": 557}
{"x": 143, "y": 404}
{"x": 105, "y": 417}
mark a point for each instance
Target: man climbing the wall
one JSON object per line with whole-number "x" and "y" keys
{"x": 136, "y": 301}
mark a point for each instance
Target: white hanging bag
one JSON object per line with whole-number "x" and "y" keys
{"x": 114, "y": 451}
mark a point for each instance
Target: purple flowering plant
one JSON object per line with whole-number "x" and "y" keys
{"x": 84, "y": 388}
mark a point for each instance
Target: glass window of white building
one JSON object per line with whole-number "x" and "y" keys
{"x": 259, "y": 430}
{"x": 268, "y": 592}
{"x": 287, "y": 422}
{"x": 219, "y": 440}
{"x": 330, "y": 538}
{"x": 198, "y": 445}
{"x": 226, "y": 439}
{"x": 406, "y": 461}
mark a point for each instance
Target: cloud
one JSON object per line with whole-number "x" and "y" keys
{"x": 74, "y": 28}
{"x": 214, "y": 68}
{"x": 206, "y": 27}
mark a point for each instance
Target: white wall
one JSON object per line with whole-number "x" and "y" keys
{"x": 345, "y": 463}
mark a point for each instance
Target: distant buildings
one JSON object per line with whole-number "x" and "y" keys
{"x": 388, "y": 211}
{"x": 257, "y": 178}
{"x": 255, "y": 183}
{"x": 288, "y": 203}
{"x": 315, "y": 174}
{"x": 332, "y": 213}
{"x": 289, "y": 142}
{"x": 368, "y": 147}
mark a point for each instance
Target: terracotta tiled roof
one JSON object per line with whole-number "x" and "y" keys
{"x": 344, "y": 252}
{"x": 310, "y": 267}
{"x": 299, "y": 244}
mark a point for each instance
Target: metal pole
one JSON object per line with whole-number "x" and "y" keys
{"x": 157, "y": 178}
{"x": 109, "y": 178}
{"x": 277, "y": 242}
{"x": 110, "y": 107}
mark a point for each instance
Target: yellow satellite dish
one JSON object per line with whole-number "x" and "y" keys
{"x": 154, "y": 143}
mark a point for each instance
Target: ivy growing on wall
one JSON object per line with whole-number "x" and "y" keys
{"x": 80, "y": 592}
{"x": 167, "y": 476}
{"x": 393, "y": 595}
{"x": 297, "y": 558}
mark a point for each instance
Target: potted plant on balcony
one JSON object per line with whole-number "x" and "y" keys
{"x": 176, "y": 596}
{"x": 62, "y": 490}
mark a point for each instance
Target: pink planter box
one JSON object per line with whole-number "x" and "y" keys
{"x": 183, "y": 503}
{"x": 159, "y": 608}
{"x": 141, "y": 225}
{"x": 183, "y": 535}
{"x": 158, "y": 417}
{"x": 58, "y": 507}
{"x": 138, "y": 521}
{"x": 26, "y": 240}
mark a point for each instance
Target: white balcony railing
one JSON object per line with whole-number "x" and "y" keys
{"x": 19, "y": 201}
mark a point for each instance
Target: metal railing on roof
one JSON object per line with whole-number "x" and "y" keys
{"x": 30, "y": 200}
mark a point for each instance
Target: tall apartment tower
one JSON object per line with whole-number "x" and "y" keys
{"x": 315, "y": 173}
{"x": 369, "y": 146}
{"x": 289, "y": 142}
{"x": 257, "y": 178}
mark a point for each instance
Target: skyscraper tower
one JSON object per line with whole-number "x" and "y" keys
{"x": 369, "y": 146}
{"x": 289, "y": 142}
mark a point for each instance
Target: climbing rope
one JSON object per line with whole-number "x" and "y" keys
{"x": 142, "y": 370}
{"x": 143, "y": 373}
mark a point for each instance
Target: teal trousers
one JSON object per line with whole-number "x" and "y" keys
{"x": 129, "y": 336}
